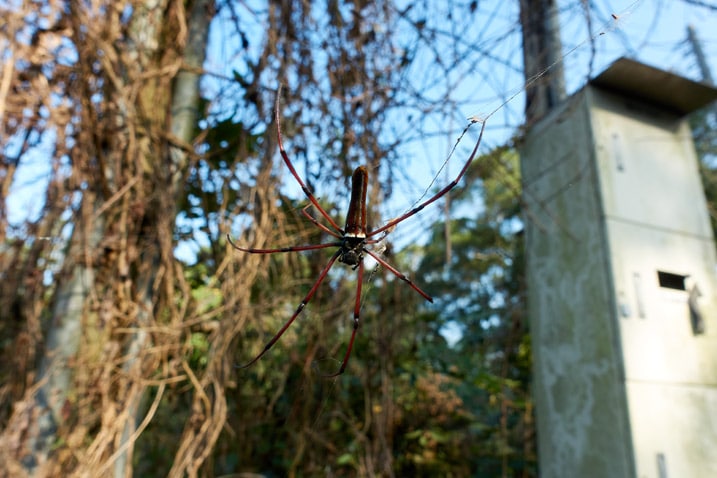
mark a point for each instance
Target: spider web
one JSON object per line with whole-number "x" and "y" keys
{"x": 613, "y": 24}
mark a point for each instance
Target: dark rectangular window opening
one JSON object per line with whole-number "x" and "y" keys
{"x": 668, "y": 280}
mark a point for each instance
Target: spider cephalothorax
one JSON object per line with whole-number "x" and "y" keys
{"x": 352, "y": 251}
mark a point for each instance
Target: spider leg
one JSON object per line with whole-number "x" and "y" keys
{"x": 288, "y": 163}
{"x": 398, "y": 274}
{"x": 298, "y": 310}
{"x": 434, "y": 198}
{"x": 310, "y": 247}
{"x": 357, "y": 311}
{"x": 316, "y": 223}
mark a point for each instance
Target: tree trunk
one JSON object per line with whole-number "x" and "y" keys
{"x": 136, "y": 117}
{"x": 542, "y": 58}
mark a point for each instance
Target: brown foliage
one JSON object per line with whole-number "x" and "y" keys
{"x": 105, "y": 232}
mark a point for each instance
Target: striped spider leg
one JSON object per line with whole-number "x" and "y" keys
{"x": 351, "y": 241}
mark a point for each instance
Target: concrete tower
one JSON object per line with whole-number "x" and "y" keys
{"x": 622, "y": 282}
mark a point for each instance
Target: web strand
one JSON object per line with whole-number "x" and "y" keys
{"x": 609, "y": 26}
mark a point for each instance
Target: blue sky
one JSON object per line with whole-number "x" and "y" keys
{"x": 651, "y": 31}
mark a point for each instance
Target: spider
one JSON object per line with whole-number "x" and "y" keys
{"x": 351, "y": 240}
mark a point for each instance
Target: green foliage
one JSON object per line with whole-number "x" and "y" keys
{"x": 704, "y": 132}
{"x": 480, "y": 290}
{"x": 409, "y": 402}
